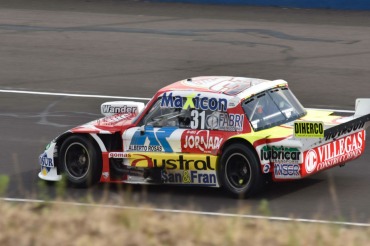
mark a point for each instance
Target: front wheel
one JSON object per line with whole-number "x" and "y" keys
{"x": 240, "y": 172}
{"x": 80, "y": 161}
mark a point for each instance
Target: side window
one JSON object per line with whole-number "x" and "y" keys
{"x": 160, "y": 116}
{"x": 266, "y": 112}
{"x": 271, "y": 108}
{"x": 195, "y": 117}
{"x": 261, "y": 108}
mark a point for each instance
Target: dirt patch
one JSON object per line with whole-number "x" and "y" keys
{"x": 46, "y": 224}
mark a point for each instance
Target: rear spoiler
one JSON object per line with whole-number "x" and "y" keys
{"x": 361, "y": 120}
{"x": 362, "y": 106}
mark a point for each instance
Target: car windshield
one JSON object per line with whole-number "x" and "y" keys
{"x": 272, "y": 108}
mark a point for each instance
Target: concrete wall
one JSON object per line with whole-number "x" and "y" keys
{"x": 323, "y": 4}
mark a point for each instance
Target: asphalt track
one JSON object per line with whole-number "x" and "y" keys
{"x": 129, "y": 48}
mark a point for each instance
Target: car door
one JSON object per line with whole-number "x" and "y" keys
{"x": 179, "y": 141}
{"x": 160, "y": 130}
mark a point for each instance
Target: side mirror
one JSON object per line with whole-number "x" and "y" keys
{"x": 121, "y": 107}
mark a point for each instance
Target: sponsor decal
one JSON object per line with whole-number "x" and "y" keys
{"x": 45, "y": 170}
{"x": 304, "y": 129}
{"x": 310, "y": 161}
{"x": 195, "y": 101}
{"x": 280, "y": 154}
{"x": 111, "y": 120}
{"x": 119, "y": 155}
{"x": 45, "y": 161}
{"x": 182, "y": 163}
{"x": 190, "y": 177}
{"x": 287, "y": 171}
{"x": 345, "y": 128}
{"x": 266, "y": 168}
{"x": 152, "y": 140}
{"x": 105, "y": 175}
{"x": 118, "y": 109}
{"x": 216, "y": 121}
{"x": 143, "y": 161}
{"x": 231, "y": 87}
{"x": 341, "y": 150}
{"x": 225, "y": 122}
{"x": 186, "y": 177}
{"x": 334, "y": 153}
{"x": 155, "y": 148}
{"x": 200, "y": 140}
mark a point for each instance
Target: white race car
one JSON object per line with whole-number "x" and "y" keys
{"x": 228, "y": 132}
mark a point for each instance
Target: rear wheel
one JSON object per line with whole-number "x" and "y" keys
{"x": 240, "y": 172}
{"x": 81, "y": 161}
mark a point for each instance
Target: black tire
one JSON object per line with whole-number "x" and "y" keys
{"x": 80, "y": 161}
{"x": 239, "y": 171}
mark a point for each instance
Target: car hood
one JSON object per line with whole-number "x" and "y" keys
{"x": 106, "y": 125}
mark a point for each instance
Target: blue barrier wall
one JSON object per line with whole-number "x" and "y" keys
{"x": 322, "y": 4}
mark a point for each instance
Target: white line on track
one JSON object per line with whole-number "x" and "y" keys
{"x": 71, "y": 95}
{"x": 177, "y": 211}
{"x": 115, "y": 97}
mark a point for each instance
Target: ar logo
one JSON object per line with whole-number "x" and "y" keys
{"x": 311, "y": 161}
{"x": 156, "y": 137}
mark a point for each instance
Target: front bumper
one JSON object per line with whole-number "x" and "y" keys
{"x": 46, "y": 160}
{"x": 49, "y": 175}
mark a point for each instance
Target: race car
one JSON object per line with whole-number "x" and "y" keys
{"x": 215, "y": 131}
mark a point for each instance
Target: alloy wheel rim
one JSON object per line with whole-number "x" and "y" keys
{"x": 77, "y": 160}
{"x": 238, "y": 171}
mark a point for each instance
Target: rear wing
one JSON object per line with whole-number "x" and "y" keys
{"x": 361, "y": 120}
{"x": 362, "y": 107}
